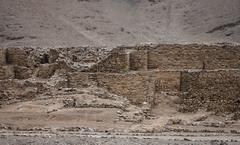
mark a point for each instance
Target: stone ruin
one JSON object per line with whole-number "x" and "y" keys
{"x": 202, "y": 76}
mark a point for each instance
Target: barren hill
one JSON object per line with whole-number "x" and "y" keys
{"x": 111, "y": 22}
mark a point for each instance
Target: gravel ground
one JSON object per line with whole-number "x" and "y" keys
{"x": 18, "y": 140}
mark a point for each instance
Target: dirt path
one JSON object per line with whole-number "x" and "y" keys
{"x": 87, "y": 137}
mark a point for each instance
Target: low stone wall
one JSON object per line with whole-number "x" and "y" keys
{"x": 217, "y": 91}
{"x": 12, "y": 91}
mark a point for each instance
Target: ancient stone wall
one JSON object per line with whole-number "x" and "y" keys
{"x": 141, "y": 86}
{"x": 194, "y": 57}
{"x": 166, "y": 81}
{"x": 16, "y": 56}
{"x": 217, "y": 91}
{"x": 46, "y": 70}
{"x": 79, "y": 79}
{"x": 117, "y": 61}
{"x": 2, "y": 56}
{"x": 21, "y": 72}
{"x": 6, "y": 72}
{"x": 12, "y": 91}
{"x": 133, "y": 86}
{"x": 128, "y": 71}
{"x": 138, "y": 60}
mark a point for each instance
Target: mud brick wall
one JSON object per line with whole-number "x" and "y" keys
{"x": 2, "y": 56}
{"x": 217, "y": 91}
{"x": 194, "y": 57}
{"x": 138, "y": 60}
{"x": 117, "y": 61}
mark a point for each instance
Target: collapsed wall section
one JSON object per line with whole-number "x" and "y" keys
{"x": 116, "y": 61}
{"x": 12, "y": 91}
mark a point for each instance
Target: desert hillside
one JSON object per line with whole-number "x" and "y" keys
{"x": 111, "y": 22}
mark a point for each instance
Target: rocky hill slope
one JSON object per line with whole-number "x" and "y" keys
{"x": 110, "y": 22}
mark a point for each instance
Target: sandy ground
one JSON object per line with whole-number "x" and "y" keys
{"x": 53, "y": 23}
{"x": 44, "y": 121}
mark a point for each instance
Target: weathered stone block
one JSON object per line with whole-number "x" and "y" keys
{"x": 194, "y": 57}
{"x": 166, "y": 81}
{"x": 46, "y": 70}
{"x": 175, "y": 57}
{"x": 78, "y": 79}
{"x": 6, "y": 72}
{"x": 16, "y": 56}
{"x": 133, "y": 86}
{"x": 53, "y": 55}
{"x": 22, "y": 72}
{"x": 139, "y": 60}
{"x": 2, "y": 56}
